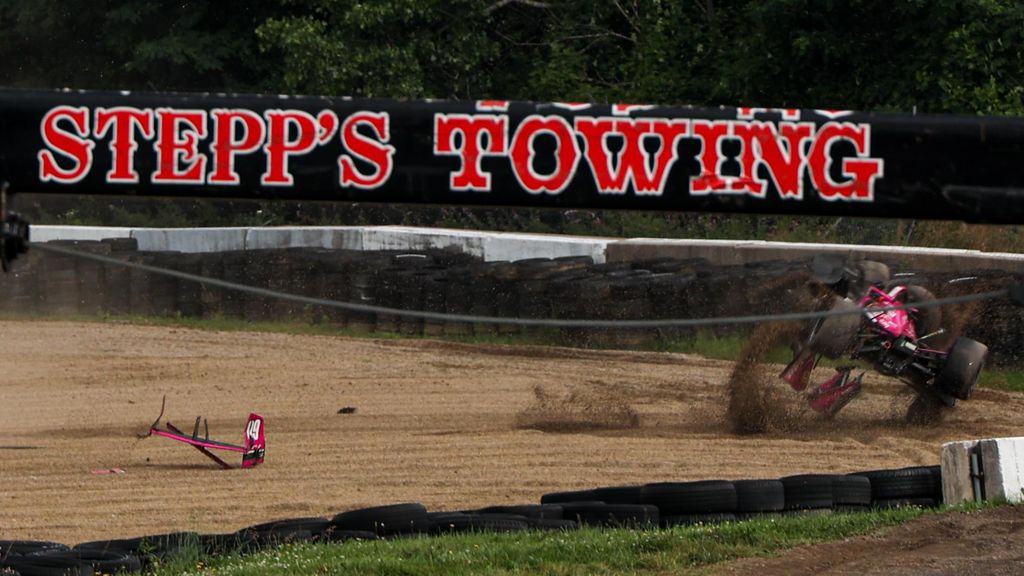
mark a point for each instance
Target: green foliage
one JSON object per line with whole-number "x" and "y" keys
{"x": 936, "y": 56}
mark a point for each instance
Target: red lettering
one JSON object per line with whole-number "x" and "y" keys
{"x": 566, "y": 158}
{"x": 482, "y": 135}
{"x": 235, "y": 131}
{"x": 492, "y": 105}
{"x": 861, "y": 170}
{"x": 291, "y": 133}
{"x": 763, "y": 144}
{"x": 634, "y": 161}
{"x": 123, "y": 121}
{"x": 177, "y": 146}
{"x": 710, "y": 135}
{"x": 73, "y": 145}
{"x": 374, "y": 152}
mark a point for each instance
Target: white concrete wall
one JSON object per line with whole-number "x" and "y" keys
{"x": 190, "y": 239}
{"x": 87, "y": 233}
{"x": 1002, "y": 464}
{"x": 499, "y": 246}
{"x": 332, "y": 237}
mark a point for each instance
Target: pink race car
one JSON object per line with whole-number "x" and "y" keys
{"x": 894, "y": 342}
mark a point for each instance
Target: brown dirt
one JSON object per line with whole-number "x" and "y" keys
{"x": 449, "y": 425}
{"x": 951, "y": 544}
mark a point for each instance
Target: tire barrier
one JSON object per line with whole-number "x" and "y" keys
{"x": 448, "y": 282}
{"x": 648, "y": 506}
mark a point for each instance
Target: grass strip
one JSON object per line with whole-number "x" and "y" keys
{"x": 677, "y": 550}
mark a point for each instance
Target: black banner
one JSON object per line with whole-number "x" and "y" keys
{"x": 558, "y": 155}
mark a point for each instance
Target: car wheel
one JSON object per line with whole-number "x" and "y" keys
{"x": 835, "y": 335}
{"x": 963, "y": 366}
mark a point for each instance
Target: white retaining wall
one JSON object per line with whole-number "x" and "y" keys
{"x": 500, "y": 246}
{"x": 1001, "y": 463}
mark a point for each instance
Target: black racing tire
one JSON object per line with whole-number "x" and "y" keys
{"x": 928, "y": 319}
{"x": 680, "y": 498}
{"x": 851, "y": 491}
{"x": 613, "y": 515}
{"x": 808, "y": 491}
{"x": 906, "y": 503}
{"x": 696, "y": 519}
{"x": 963, "y": 365}
{"x": 395, "y": 519}
{"x": 871, "y": 273}
{"x": 835, "y": 336}
{"x": 759, "y": 496}
{"x": 568, "y": 496}
{"x": 23, "y": 547}
{"x": 905, "y": 483}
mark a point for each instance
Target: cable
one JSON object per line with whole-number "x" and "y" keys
{"x": 546, "y": 322}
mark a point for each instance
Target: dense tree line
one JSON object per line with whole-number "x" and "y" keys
{"x": 961, "y": 56}
{"x": 935, "y": 55}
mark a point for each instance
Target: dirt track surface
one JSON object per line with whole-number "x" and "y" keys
{"x": 452, "y": 426}
{"x": 952, "y": 544}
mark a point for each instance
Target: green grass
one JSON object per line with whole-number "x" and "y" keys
{"x": 678, "y": 550}
{"x": 1009, "y": 379}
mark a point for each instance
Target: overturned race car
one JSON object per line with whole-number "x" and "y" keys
{"x": 889, "y": 325}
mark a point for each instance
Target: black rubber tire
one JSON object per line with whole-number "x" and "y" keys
{"x": 223, "y": 544}
{"x": 905, "y": 483}
{"x": 850, "y": 509}
{"x": 926, "y": 320}
{"x": 166, "y": 545}
{"x": 851, "y": 491}
{"x": 870, "y": 273}
{"x": 836, "y": 335}
{"x": 618, "y": 494}
{"x": 758, "y": 496}
{"x": 569, "y": 496}
{"x": 47, "y": 565}
{"x": 22, "y": 547}
{"x": 530, "y": 511}
{"x": 808, "y": 491}
{"x": 459, "y": 522}
{"x": 554, "y": 524}
{"x": 694, "y": 519}
{"x": 680, "y": 498}
{"x": 873, "y": 272}
{"x": 346, "y": 535}
{"x": 408, "y": 518}
{"x": 613, "y": 515}
{"x": 107, "y": 562}
{"x": 963, "y": 366}
{"x": 271, "y": 534}
{"x": 906, "y": 503}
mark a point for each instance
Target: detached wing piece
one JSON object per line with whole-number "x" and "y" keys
{"x": 255, "y": 443}
{"x": 253, "y": 452}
